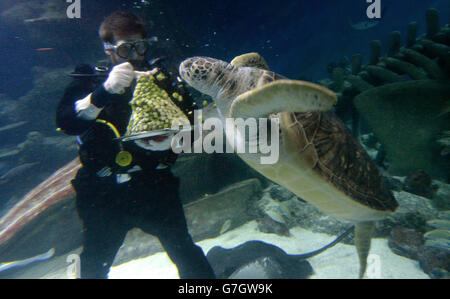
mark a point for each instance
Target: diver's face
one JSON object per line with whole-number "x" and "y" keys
{"x": 134, "y": 57}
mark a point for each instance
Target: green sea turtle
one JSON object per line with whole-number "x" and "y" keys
{"x": 319, "y": 159}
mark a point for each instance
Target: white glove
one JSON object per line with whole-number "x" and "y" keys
{"x": 147, "y": 73}
{"x": 119, "y": 78}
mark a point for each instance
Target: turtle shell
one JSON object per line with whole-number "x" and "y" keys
{"x": 340, "y": 159}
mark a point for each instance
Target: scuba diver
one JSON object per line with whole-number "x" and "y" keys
{"x": 116, "y": 193}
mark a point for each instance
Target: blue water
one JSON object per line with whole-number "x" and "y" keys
{"x": 298, "y": 39}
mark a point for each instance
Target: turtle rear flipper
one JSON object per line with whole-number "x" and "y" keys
{"x": 363, "y": 236}
{"x": 282, "y": 96}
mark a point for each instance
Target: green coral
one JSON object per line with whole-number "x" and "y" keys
{"x": 403, "y": 97}
{"x": 153, "y": 109}
{"x": 403, "y": 117}
{"x": 177, "y": 96}
{"x": 445, "y": 142}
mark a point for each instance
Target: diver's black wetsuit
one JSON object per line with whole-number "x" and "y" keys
{"x": 109, "y": 209}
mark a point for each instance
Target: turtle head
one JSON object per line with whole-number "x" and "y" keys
{"x": 203, "y": 73}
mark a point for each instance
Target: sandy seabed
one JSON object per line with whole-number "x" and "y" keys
{"x": 339, "y": 262}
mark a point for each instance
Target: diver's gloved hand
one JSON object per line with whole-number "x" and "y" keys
{"x": 119, "y": 78}
{"x": 147, "y": 73}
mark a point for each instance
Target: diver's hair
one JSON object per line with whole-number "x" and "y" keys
{"x": 120, "y": 24}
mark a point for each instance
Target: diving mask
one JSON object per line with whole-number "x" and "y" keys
{"x": 124, "y": 49}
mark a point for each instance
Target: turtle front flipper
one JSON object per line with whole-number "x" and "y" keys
{"x": 363, "y": 236}
{"x": 250, "y": 60}
{"x": 282, "y": 96}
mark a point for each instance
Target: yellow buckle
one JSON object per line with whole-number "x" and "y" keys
{"x": 124, "y": 158}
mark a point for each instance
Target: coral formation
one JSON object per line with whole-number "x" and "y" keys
{"x": 403, "y": 97}
{"x": 444, "y": 140}
{"x": 152, "y": 108}
{"x": 435, "y": 258}
{"x": 419, "y": 183}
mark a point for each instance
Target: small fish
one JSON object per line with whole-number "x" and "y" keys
{"x": 363, "y": 25}
{"x": 8, "y": 152}
{"x": 16, "y": 171}
{"x": 44, "y": 49}
{"x": 48, "y": 17}
{"x": 25, "y": 262}
{"x": 153, "y": 39}
{"x": 32, "y": 20}
{"x": 12, "y": 126}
